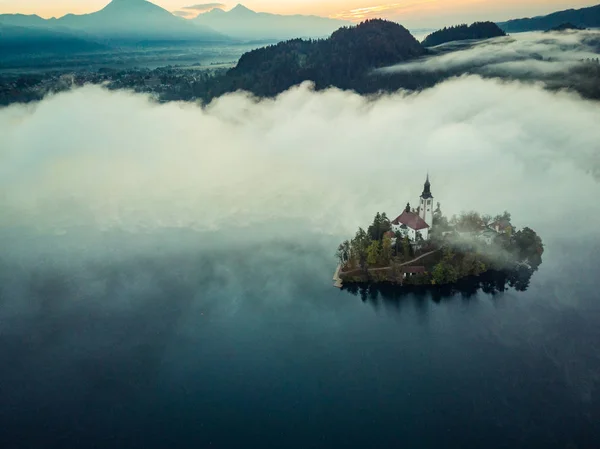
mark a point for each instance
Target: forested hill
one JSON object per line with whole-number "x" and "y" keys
{"x": 584, "y": 17}
{"x": 565, "y": 27}
{"x": 478, "y": 30}
{"x": 343, "y": 60}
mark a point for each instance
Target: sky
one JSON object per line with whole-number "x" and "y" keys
{"x": 413, "y": 13}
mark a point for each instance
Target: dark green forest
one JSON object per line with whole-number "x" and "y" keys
{"x": 478, "y": 30}
{"x": 344, "y": 60}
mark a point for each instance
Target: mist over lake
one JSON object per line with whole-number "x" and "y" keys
{"x": 166, "y": 271}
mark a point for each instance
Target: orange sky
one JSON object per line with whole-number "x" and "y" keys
{"x": 410, "y": 12}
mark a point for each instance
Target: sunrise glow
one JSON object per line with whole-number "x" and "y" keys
{"x": 415, "y": 12}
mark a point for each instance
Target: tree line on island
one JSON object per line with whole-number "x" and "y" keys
{"x": 464, "y": 245}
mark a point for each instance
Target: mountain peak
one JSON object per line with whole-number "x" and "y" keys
{"x": 239, "y": 8}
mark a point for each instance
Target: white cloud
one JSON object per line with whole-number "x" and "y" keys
{"x": 330, "y": 159}
{"x": 543, "y": 54}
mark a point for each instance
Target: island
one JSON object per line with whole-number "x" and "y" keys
{"x": 423, "y": 247}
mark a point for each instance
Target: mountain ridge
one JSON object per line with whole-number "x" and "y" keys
{"x": 124, "y": 20}
{"x": 588, "y": 17}
{"x": 246, "y": 24}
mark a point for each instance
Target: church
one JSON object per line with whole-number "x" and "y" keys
{"x": 415, "y": 223}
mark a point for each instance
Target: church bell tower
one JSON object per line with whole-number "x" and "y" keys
{"x": 426, "y": 203}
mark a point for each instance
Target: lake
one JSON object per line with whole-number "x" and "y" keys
{"x": 178, "y": 340}
{"x": 166, "y": 272}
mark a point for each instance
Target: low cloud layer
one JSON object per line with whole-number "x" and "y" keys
{"x": 192, "y": 11}
{"x": 325, "y": 161}
{"x": 204, "y": 6}
{"x": 382, "y": 10}
{"x": 535, "y": 54}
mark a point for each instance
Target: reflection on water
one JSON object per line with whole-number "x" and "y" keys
{"x": 490, "y": 282}
{"x": 190, "y": 344}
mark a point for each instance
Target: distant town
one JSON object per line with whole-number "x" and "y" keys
{"x": 164, "y": 84}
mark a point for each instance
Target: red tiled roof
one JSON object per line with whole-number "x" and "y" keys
{"x": 411, "y": 220}
{"x": 413, "y": 269}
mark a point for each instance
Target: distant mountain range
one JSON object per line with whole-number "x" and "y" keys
{"x": 133, "y": 21}
{"x": 584, "y": 17}
{"x": 130, "y": 22}
{"x": 121, "y": 21}
{"x": 243, "y": 23}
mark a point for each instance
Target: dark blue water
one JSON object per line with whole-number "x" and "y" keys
{"x": 221, "y": 347}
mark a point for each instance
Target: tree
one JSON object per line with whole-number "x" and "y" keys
{"x": 398, "y": 245}
{"x": 360, "y": 244}
{"x": 340, "y": 254}
{"x": 529, "y": 246}
{"x": 347, "y": 251}
{"x": 503, "y": 217}
{"x": 469, "y": 221}
{"x": 471, "y": 265}
{"x": 445, "y": 272}
{"x": 440, "y": 223}
{"x": 386, "y": 250}
{"x": 373, "y": 253}
{"x": 386, "y": 225}
{"x": 406, "y": 248}
{"x": 374, "y": 229}
{"x": 343, "y": 253}
{"x": 381, "y": 224}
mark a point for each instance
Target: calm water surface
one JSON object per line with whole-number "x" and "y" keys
{"x": 253, "y": 347}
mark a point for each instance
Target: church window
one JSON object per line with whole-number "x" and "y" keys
{"x": 428, "y": 201}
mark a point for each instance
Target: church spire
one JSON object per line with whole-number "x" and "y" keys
{"x": 427, "y": 189}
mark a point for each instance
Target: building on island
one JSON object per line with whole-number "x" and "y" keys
{"x": 413, "y": 271}
{"x": 501, "y": 226}
{"x": 414, "y": 224}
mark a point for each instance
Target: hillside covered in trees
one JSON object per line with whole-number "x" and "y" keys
{"x": 478, "y": 30}
{"x": 584, "y": 17}
{"x": 343, "y": 60}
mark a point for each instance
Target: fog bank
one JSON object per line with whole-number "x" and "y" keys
{"x": 321, "y": 161}
{"x": 522, "y": 54}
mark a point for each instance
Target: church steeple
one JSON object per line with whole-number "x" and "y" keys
{"x": 427, "y": 189}
{"x": 426, "y": 203}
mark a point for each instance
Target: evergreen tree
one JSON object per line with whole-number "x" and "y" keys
{"x": 398, "y": 245}
{"x": 360, "y": 244}
{"x": 406, "y": 248}
{"x": 373, "y": 253}
{"x": 386, "y": 250}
